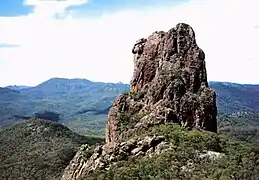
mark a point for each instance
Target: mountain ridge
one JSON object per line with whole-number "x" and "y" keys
{"x": 89, "y": 104}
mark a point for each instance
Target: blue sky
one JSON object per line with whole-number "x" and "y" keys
{"x": 92, "y": 39}
{"x": 97, "y": 7}
{"x": 91, "y": 7}
{"x": 14, "y": 8}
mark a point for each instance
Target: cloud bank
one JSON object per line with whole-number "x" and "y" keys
{"x": 53, "y": 42}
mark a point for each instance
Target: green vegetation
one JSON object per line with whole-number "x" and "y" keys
{"x": 238, "y": 160}
{"x": 92, "y": 125}
{"x": 242, "y": 126}
{"x": 38, "y": 149}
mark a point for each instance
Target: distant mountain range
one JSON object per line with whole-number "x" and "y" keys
{"x": 83, "y": 103}
{"x": 60, "y": 99}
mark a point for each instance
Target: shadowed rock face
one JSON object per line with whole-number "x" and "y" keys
{"x": 169, "y": 84}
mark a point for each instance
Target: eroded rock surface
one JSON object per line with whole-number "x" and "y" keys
{"x": 104, "y": 156}
{"x": 169, "y": 84}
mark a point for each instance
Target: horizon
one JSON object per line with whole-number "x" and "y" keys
{"x": 10, "y": 85}
{"x": 92, "y": 39}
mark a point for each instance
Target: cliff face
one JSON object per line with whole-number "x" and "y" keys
{"x": 169, "y": 84}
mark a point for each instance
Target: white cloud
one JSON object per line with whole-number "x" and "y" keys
{"x": 99, "y": 48}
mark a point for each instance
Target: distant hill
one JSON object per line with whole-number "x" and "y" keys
{"x": 233, "y": 97}
{"x": 61, "y": 87}
{"x": 82, "y": 104}
{"x": 15, "y": 87}
{"x": 7, "y": 94}
{"x": 69, "y": 99}
{"x": 38, "y": 149}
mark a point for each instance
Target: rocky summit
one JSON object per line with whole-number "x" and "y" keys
{"x": 169, "y": 85}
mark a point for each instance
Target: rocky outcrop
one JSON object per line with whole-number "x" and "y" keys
{"x": 104, "y": 156}
{"x": 169, "y": 85}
